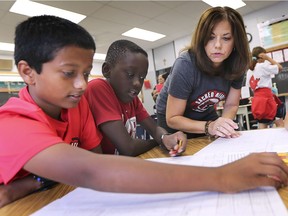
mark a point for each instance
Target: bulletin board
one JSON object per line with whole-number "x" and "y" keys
{"x": 281, "y": 79}
{"x": 274, "y": 32}
{"x": 274, "y": 38}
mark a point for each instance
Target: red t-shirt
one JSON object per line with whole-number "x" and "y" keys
{"x": 159, "y": 87}
{"x": 26, "y": 130}
{"x": 105, "y": 107}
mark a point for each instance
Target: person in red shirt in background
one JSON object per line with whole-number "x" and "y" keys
{"x": 156, "y": 90}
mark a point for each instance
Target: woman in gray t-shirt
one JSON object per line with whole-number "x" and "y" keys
{"x": 210, "y": 70}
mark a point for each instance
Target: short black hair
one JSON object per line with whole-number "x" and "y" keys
{"x": 39, "y": 38}
{"x": 118, "y": 49}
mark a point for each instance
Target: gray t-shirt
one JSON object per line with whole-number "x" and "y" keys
{"x": 201, "y": 91}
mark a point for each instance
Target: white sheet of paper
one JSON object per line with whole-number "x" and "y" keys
{"x": 265, "y": 140}
{"x": 263, "y": 201}
{"x": 84, "y": 202}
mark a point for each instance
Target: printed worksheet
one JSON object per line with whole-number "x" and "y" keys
{"x": 258, "y": 202}
{"x": 265, "y": 140}
{"x": 264, "y": 201}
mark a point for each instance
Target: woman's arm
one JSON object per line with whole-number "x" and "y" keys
{"x": 223, "y": 126}
{"x": 176, "y": 120}
{"x": 232, "y": 103}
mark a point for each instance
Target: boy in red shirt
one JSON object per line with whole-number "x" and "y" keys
{"x": 125, "y": 69}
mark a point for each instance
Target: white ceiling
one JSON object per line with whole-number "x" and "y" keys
{"x": 107, "y": 20}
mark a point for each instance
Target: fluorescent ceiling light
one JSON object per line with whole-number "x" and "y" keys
{"x": 143, "y": 34}
{"x": 235, "y": 4}
{"x": 99, "y": 56}
{"x": 29, "y": 8}
{"x": 7, "y": 47}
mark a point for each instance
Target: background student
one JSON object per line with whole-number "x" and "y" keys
{"x": 210, "y": 70}
{"x": 156, "y": 90}
{"x": 125, "y": 69}
{"x": 49, "y": 129}
{"x": 264, "y": 103}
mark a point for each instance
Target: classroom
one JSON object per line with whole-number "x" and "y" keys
{"x": 266, "y": 24}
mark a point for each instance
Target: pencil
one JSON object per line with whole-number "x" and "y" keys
{"x": 284, "y": 156}
{"x": 180, "y": 143}
{"x": 173, "y": 152}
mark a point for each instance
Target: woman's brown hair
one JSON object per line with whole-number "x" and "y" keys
{"x": 238, "y": 62}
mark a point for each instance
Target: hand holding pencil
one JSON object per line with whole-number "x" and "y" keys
{"x": 177, "y": 150}
{"x": 175, "y": 143}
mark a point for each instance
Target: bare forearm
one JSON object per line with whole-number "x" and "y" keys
{"x": 17, "y": 189}
{"x": 187, "y": 125}
{"x": 140, "y": 176}
{"x": 134, "y": 175}
{"x": 230, "y": 111}
{"x": 138, "y": 147}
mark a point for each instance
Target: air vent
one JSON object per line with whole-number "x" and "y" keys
{"x": 6, "y": 64}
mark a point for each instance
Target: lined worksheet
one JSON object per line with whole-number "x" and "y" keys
{"x": 264, "y": 201}
{"x": 265, "y": 140}
{"x": 260, "y": 202}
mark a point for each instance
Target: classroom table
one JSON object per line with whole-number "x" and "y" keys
{"x": 36, "y": 201}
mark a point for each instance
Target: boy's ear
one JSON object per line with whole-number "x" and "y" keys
{"x": 26, "y": 72}
{"x": 106, "y": 70}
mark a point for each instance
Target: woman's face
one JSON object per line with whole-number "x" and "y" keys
{"x": 161, "y": 80}
{"x": 220, "y": 44}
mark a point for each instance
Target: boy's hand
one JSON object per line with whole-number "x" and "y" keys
{"x": 254, "y": 170}
{"x": 176, "y": 143}
{"x": 4, "y": 196}
{"x": 17, "y": 189}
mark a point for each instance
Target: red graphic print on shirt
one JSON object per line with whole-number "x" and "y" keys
{"x": 253, "y": 82}
{"x": 206, "y": 100}
{"x": 75, "y": 142}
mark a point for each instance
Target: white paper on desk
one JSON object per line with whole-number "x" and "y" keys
{"x": 259, "y": 202}
{"x": 265, "y": 140}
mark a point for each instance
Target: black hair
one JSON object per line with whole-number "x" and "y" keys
{"x": 165, "y": 75}
{"x": 39, "y": 38}
{"x": 118, "y": 49}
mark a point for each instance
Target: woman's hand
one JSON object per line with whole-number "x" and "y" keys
{"x": 254, "y": 170}
{"x": 224, "y": 127}
{"x": 176, "y": 143}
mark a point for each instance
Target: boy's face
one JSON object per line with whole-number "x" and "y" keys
{"x": 128, "y": 75}
{"x": 62, "y": 80}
